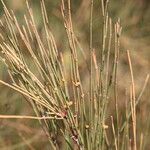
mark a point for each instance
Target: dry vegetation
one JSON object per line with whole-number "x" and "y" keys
{"x": 83, "y": 90}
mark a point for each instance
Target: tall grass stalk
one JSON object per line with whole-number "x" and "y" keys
{"x": 72, "y": 116}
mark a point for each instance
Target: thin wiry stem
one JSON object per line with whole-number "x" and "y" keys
{"x": 133, "y": 103}
{"x": 26, "y": 117}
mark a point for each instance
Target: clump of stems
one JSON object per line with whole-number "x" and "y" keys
{"x": 79, "y": 116}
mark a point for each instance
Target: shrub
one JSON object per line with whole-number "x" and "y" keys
{"x": 72, "y": 115}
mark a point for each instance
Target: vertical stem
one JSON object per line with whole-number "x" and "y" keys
{"x": 133, "y": 108}
{"x": 91, "y": 73}
{"x": 115, "y": 138}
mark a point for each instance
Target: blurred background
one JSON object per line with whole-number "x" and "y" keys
{"x": 135, "y": 20}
